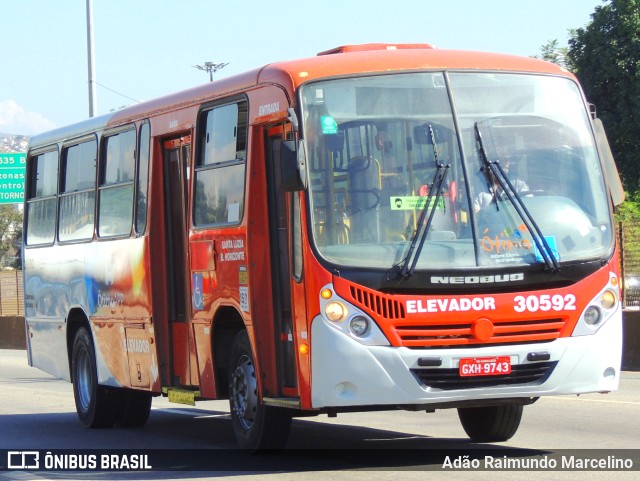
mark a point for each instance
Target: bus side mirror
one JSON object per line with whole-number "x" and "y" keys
{"x": 610, "y": 170}
{"x": 293, "y": 167}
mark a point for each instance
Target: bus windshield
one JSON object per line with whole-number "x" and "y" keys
{"x": 379, "y": 146}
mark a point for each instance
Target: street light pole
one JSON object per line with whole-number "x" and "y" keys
{"x": 210, "y": 67}
{"x": 93, "y": 105}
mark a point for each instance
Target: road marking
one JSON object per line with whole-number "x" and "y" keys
{"x": 606, "y": 401}
{"x": 19, "y": 475}
{"x": 193, "y": 413}
{"x": 219, "y": 416}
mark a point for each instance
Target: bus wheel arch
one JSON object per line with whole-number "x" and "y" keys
{"x": 226, "y": 325}
{"x": 76, "y": 319}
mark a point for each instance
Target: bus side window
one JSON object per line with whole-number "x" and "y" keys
{"x": 143, "y": 179}
{"x": 220, "y": 168}
{"x": 116, "y": 185}
{"x": 77, "y": 191}
{"x": 42, "y": 190}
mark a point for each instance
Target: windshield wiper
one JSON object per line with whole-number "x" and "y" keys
{"x": 495, "y": 169}
{"x": 428, "y": 210}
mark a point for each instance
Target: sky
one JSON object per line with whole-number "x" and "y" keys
{"x": 148, "y": 48}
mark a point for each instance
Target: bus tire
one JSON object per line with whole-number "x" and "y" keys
{"x": 94, "y": 403}
{"x": 136, "y": 407}
{"x": 255, "y": 425}
{"x": 491, "y": 424}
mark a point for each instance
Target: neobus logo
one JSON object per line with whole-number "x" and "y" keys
{"x": 477, "y": 279}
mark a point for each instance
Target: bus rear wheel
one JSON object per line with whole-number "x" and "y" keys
{"x": 491, "y": 424}
{"x": 94, "y": 403}
{"x": 255, "y": 425}
{"x": 136, "y": 407}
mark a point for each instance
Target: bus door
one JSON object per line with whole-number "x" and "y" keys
{"x": 283, "y": 218}
{"x": 176, "y": 157}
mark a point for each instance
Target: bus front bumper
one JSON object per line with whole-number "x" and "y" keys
{"x": 347, "y": 373}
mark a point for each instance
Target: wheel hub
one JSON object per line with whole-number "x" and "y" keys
{"x": 244, "y": 392}
{"x": 83, "y": 380}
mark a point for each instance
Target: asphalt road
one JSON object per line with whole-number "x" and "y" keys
{"x": 37, "y": 412}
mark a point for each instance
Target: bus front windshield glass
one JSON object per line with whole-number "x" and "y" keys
{"x": 384, "y": 151}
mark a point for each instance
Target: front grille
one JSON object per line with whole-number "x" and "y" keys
{"x": 449, "y": 379}
{"x": 376, "y": 303}
{"x": 461, "y": 334}
{"x": 444, "y": 331}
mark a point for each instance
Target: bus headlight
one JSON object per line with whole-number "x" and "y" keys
{"x": 592, "y": 315}
{"x": 339, "y": 314}
{"x": 607, "y": 300}
{"x": 335, "y": 311}
{"x": 359, "y": 325}
{"x": 602, "y": 307}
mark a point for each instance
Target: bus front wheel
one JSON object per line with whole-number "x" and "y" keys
{"x": 491, "y": 424}
{"x": 94, "y": 403}
{"x": 255, "y": 425}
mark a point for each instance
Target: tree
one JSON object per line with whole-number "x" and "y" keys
{"x": 553, "y": 52}
{"x": 10, "y": 237}
{"x": 605, "y": 56}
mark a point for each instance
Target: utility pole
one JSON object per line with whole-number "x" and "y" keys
{"x": 210, "y": 67}
{"x": 93, "y": 105}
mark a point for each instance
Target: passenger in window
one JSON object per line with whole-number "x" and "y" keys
{"x": 383, "y": 141}
{"x": 488, "y": 190}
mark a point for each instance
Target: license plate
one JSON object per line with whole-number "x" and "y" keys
{"x": 485, "y": 366}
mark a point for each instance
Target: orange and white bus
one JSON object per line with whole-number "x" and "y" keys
{"x": 379, "y": 226}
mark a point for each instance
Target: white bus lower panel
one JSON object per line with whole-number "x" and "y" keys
{"x": 47, "y": 346}
{"x": 347, "y": 373}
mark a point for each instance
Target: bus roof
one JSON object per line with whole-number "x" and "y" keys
{"x": 346, "y": 60}
{"x": 72, "y": 131}
{"x": 340, "y": 61}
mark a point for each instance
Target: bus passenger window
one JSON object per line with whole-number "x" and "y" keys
{"x": 78, "y": 196}
{"x": 220, "y": 168}
{"x": 116, "y": 185}
{"x": 143, "y": 179}
{"x": 41, "y": 201}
